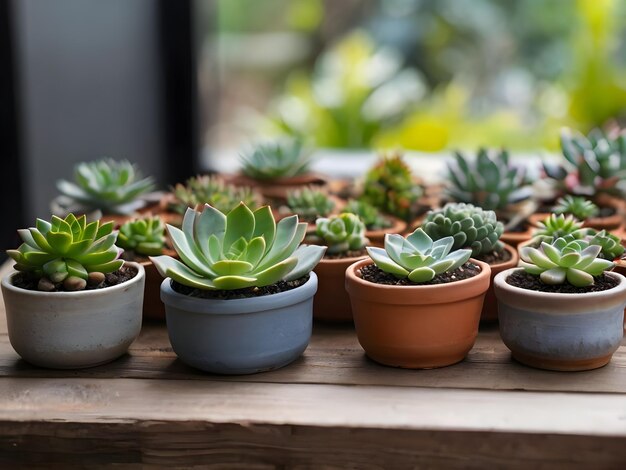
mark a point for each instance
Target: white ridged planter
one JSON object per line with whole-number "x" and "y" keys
{"x": 72, "y": 330}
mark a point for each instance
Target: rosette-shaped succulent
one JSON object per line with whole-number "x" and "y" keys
{"x": 281, "y": 159}
{"x": 389, "y": 186}
{"x": 575, "y": 261}
{"x": 417, "y": 256}
{"x": 577, "y": 206}
{"x": 469, "y": 226}
{"x": 611, "y": 246}
{"x": 107, "y": 185}
{"x": 143, "y": 236}
{"x": 310, "y": 203}
{"x": 238, "y": 250}
{"x": 211, "y": 190}
{"x": 342, "y": 233}
{"x": 489, "y": 181}
{"x": 67, "y": 250}
{"x": 369, "y": 214}
{"x": 556, "y": 226}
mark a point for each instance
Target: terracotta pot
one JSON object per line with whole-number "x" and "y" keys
{"x": 153, "y": 308}
{"x": 377, "y": 237}
{"x": 566, "y": 332}
{"x": 515, "y": 238}
{"x": 490, "y": 306}
{"x": 417, "y": 327}
{"x": 277, "y": 188}
{"x": 610, "y": 223}
{"x": 331, "y": 303}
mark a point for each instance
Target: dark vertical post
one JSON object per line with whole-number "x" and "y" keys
{"x": 176, "y": 37}
{"x": 11, "y": 190}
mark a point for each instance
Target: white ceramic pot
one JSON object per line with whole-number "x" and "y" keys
{"x": 71, "y": 330}
{"x": 556, "y": 331}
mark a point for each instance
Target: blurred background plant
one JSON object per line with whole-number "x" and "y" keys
{"x": 425, "y": 75}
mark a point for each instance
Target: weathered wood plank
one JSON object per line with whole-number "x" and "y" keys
{"x": 193, "y": 444}
{"x": 130, "y": 400}
{"x": 335, "y": 357}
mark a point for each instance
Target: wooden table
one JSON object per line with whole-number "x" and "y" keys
{"x": 331, "y": 408}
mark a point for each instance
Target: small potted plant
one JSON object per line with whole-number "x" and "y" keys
{"x": 275, "y": 168}
{"x": 240, "y": 299}
{"x": 377, "y": 224}
{"x": 104, "y": 189}
{"x": 555, "y": 226}
{"x": 391, "y": 187}
{"x": 416, "y": 303}
{"x": 205, "y": 189}
{"x": 72, "y": 302}
{"x": 344, "y": 235}
{"x": 561, "y": 310}
{"x": 309, "y": 204}
{"x": 584, "y": 210}
{"x": 478, "y": 230}
{"x": 490, "y": 181}
{"x": 140, "y": 239}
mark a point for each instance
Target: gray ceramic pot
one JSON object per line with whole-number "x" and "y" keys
{"x": 565, "y": 332}
{"x": 240, "y": 336}
{"x": 72, "y": 330}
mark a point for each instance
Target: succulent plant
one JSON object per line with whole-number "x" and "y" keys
{"x": 557, "y": 226}
{"x": 143, "y": 236}
{"x": 310, "y": 203}
{"x": 417, "y": 256}
{"x": 594, "y": 163}
{"x": 280, "y": 159}
{"x": 489, "y": 181}
{"x": 389, "y": 186}
{"x": 238, "y": 250}
{"x": 574, "y": 261}
{"x": 107, "y": 185}
{"x": 208, "y": 189}
{"x": 342, "y": 233}
{"x": 370, "y": 215}
{"x": 470, "y": 227}
{"x": 611, "y": 246}
{"x": 577, "y": 206}
{"x": 67, "y": 250}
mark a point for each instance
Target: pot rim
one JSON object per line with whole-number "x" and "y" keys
{"x": 141, "y": 273}
{"x": 551, "y": 301}
{"x": 514, "y": 256}
{"x": 243, "y": 306}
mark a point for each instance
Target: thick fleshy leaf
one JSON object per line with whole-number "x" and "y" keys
{"x": 424, "y": 274}
{"x": 27, "y": 237}
{"x": 239, "y": 223}
{"x": 211, "y": 223}
{"x": 288, "y": 234}
{"x": 170, "y": 267}
{"x": 38, "y": 257}
{"x": 442, "y": 266}
{"x": 394, "y": 246}
{"x": 187, "y": 253}
{"x": 308, "y": 256}
{"x": 256, "y": 250}
{"x": 551, "y": 252}
{"x": 411, "y": 261}
{"x": 579, "y": 278}
{"x": 43, "y": 226}
{"x": 530, "y": 268}
{"x": 109, "y": 267}
{"x": 231, "y": 267}
{"x": 234, "y": 282}
{"x": 384, "y": 262}
{"x": 59, "y": 241}
{"x": 419, "y": 240}
{"x": 76, "y": 269}
{"x": 459, "y": 257}
{"x": 570, "y": 259}
{"x": 598, "y": 266}
{"x": 265, "y": 225}
{"x": 40, "y": 240}
{"x": 553, "y": 276}
{"x": 276, "y": 272}
{"x": 104, "y": 230}
{"x": 539, "y": 258}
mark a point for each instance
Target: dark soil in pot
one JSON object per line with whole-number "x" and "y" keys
{"x": 281, "y": 286}
{"x": 373, "y": 273}
{"x": 528, "y": 281}
{"x": 25, "y": 280}
{"x": 495, "y": 257}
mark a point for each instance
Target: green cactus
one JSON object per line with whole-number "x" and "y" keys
{"x": 280, "y": 159}
{"x": 389, "y": 186}
{"x": 107, "y": 185}
{"x": 143, "y": 236}
{"x": 575, "y": 261}
{"x": 67, "y": 250}
{"x": 208, "y": 189}
{"x": 470, "y": 227}
{"x": 342, "y": 233}
{"x": 370, "y": 215}
{"x": 577, "y": 206}
{"x": 310, "y": 203}
{"x": 489, "y": 181}
{"x": 238, "y": 250}
{"x": 417, "y": 257}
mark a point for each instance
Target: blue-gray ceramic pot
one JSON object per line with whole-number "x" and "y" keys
{"x": 240, "y": 336}
{"x": 566, "y": 332}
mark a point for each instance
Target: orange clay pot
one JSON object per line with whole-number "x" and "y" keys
{"x": 277, "y": 188}
{"x": 331, "y": 302}
{"x": 417, "y": 327}
{"x": 515, "y": 238}
{"x": 490, "y": 306}
{"x": 377, "y": 237}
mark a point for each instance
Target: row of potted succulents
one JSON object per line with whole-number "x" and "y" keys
{"x": 240, "y": 288}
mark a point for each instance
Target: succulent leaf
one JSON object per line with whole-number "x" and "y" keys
{"x": 280, "y": 159}
{"x": 144, "y": 236}
{"x": 342, "y": 233}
